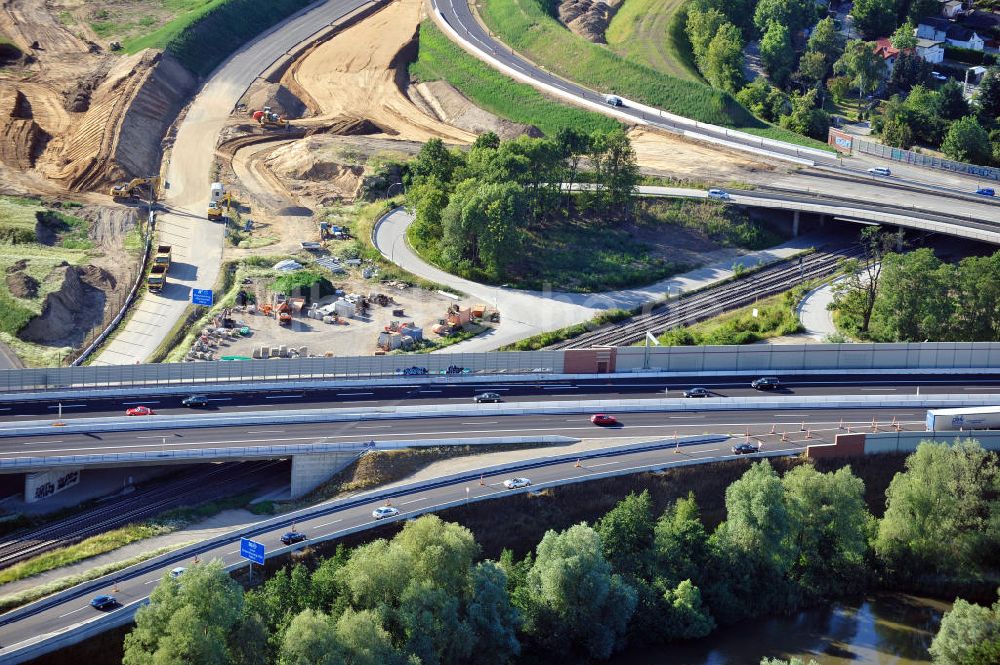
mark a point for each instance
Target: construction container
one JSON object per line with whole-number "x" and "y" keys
{"x": 344, "y": 308}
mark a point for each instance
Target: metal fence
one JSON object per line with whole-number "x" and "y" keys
{"x": 918, "y": 159}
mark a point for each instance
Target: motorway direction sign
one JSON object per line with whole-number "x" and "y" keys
{"x": 252, "y": 550}
{"x": 202, "y": 297}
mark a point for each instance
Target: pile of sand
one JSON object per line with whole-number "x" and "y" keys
{"x": 313, "y": 170}
{"x": 672, "y": 155}
{"x": 120, "y": 134}
{"x": 588, "y": 18}
{"x": 338, "y": 79}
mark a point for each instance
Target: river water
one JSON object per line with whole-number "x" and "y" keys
{"x": 888, "y": 629}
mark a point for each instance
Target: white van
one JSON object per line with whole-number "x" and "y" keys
{"x": 218, "y": 191}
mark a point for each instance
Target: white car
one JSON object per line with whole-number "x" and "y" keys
{"x": 515, "y": 483}
{"x": 879, "y": 170}
{"x": 383, "y": 512}
{"x": 177, "y": 572}
{"x": 720, "y": 194}
{"x": 938, "y": 76}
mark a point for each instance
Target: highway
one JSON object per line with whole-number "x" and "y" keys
{"x": 459, "y": 17}
{"x": 350, "y": 513}
{"x": 417, "y": 392}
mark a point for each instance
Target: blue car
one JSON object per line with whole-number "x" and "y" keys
{"x": 104, "y": 602}
{"x": 986, "y": 191}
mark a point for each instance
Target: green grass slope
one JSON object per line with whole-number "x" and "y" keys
{"x": 651, "y": 32}
{"x": 440, "y": 59}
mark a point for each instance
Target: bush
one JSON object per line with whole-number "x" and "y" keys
{"x": 969, "y": 56}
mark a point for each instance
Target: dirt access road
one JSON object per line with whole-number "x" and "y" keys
{"x": 197, "y": 243}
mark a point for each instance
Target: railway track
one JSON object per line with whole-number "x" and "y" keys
{"x": 202, "y": 484}
{"x": 710, "y": 302}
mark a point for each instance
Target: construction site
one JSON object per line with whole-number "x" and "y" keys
{"x": 82, "y": 124}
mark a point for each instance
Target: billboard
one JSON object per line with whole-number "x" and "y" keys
{"x": 842, "y": 141}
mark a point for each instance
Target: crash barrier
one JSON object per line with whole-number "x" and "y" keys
{"x": 18, "y": 464}
{"x": 53, "y": 641}
{"x": 756, "y": 358}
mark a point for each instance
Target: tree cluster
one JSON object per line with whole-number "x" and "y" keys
{"x": 425, "y": 597}
{"x": 915, "y": 297}
{"x": 475, "y": 210}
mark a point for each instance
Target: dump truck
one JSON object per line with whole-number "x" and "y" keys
{"x": 157, "y": 278}
{"x": 135, "y": 187}
{"x": 268, "y": 118}
{"x": 162, "y": 256}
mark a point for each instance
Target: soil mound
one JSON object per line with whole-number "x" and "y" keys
{"x": 109, "y": 224}
{"x": 281, "y": 100}
{"x": 443, "y": 101}
{"x": 355, "y": 127}
{"x": 22, "y": 285}
{"x": 588, "y": 18}
{"x": 69, "y": 312}
{"x": 21, "y": 139}
{"x": 129, "y": 112}
{"x": 317, "y": 169}
{"x": 20, "y": 264}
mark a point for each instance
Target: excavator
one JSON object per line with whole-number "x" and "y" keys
{"x": 268, "y": 118}
{"x": 133, "y": 189}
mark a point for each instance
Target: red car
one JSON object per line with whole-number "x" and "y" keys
{"x": 140, "y": 411}
{"x": 603, "y": 419}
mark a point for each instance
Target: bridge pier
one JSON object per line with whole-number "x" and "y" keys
{"x": 795, "y": 224}
{"x": 311, "y": 471}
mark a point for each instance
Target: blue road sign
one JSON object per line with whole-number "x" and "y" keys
{"x": 252, "y": 550}
{"x": 202, "y": 297}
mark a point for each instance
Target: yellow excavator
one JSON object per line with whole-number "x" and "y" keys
{"x": 134, "y": 188}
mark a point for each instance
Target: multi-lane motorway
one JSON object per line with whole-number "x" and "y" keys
{"x": 419, "y": 392}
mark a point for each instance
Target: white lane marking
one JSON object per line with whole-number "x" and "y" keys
{"x": 68, "y": 406}
{"x": 73, "y": 611}
{"x": 406, "y": 503}
{"x": 788, "y": 415}
{"x": 879, "y": 390}
{"x": 219, "y": 399}
{"x": 374, "y": 426}
{"x": 320, "y": 526}
{"x": 38, "y": 443}
{"x": 282, "y": 396}
{"x": 488, "y": 422}
{"x": 720, "y": 426}
{"x": 158, "y": 436}
{"x": 359, "y": 401}
{"x": 233, "y": 552}
{"x": 150, "y": 582}
{"x": 130, "y": 403}
{"x": 684, "y": 417}
{"x": 981, "y": 388}
{"x": 560, "y": 387}
{"x": 6, "y": 408}
{"x": 265, "y": 431}
{"x": 353, "y": 394}
{"x": 430, "y": 391}
{"x": 594, "y": 466}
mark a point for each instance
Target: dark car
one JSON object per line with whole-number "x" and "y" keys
{"x": 195, "y": 401}
{"x": 293, "y": 537}
{"x": 766, "y": 383}
{"x": 104, "y": 602}
{"x": 986, "y": 191}
{"x": 745, "y": 448}
{"x": 697, "y": 392}
{"x": 488, "y": 397}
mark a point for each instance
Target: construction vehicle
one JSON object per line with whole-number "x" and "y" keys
{"x": 268, "y": 118}
{"x": 162, "y": 256}
{"x": 220, "y": 201}
{"x": 157, "y": 278}
{"x": 133, "y": 188}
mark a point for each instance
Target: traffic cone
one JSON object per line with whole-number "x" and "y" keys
{"x": 809, "y": 434}
{"x": 874, "y": 425}
{"x": 772, "y": 428}
{"x": 578, "y": 465}
{"x": 841, "y": 426}
{"x": 481, "y": 483}
{"x": 802, "y": 427}
{"x": 848, "y": 429}
{"x": 784, "y": 436}
{"x": 114, "y": 589}
{"x": 196, "y": 560}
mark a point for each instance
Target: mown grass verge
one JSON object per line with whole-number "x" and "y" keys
{"x": 85, "y": 549}
{"x": 13, "y": 600}
{"x": 651, "y": 32}
{"x": 205, "y": 36}
{"x": 440, "y": 59}
{"x": 525, "y": 26}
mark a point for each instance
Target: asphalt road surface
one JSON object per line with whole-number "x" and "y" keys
{"x": 416, "y": 393}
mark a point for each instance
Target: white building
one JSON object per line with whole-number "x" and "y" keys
{"x": 930, "y": 51}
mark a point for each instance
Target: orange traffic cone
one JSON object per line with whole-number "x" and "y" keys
{"x": 772, "y": 429}
{"x": 802, "y": 427}
{"x": 784, "y": 436}
{"x": 578, "y": 465}
{"x": 841, "y": 426}
{"x": 809, "y": 434}
{"x": 481, "y": 483}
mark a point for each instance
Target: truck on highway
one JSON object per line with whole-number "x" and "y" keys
{"x": 953, "y": 420}
{"x": 157, "y": 278}
{"x": 162, "y": 256}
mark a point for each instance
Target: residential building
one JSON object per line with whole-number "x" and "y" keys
{"x": 930, "y": 51}
{"x": 951, "y": 8}
{"x": 962, "y": 37}
{"x": 888, "y": 52}
{"x": 934, "y": 28}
